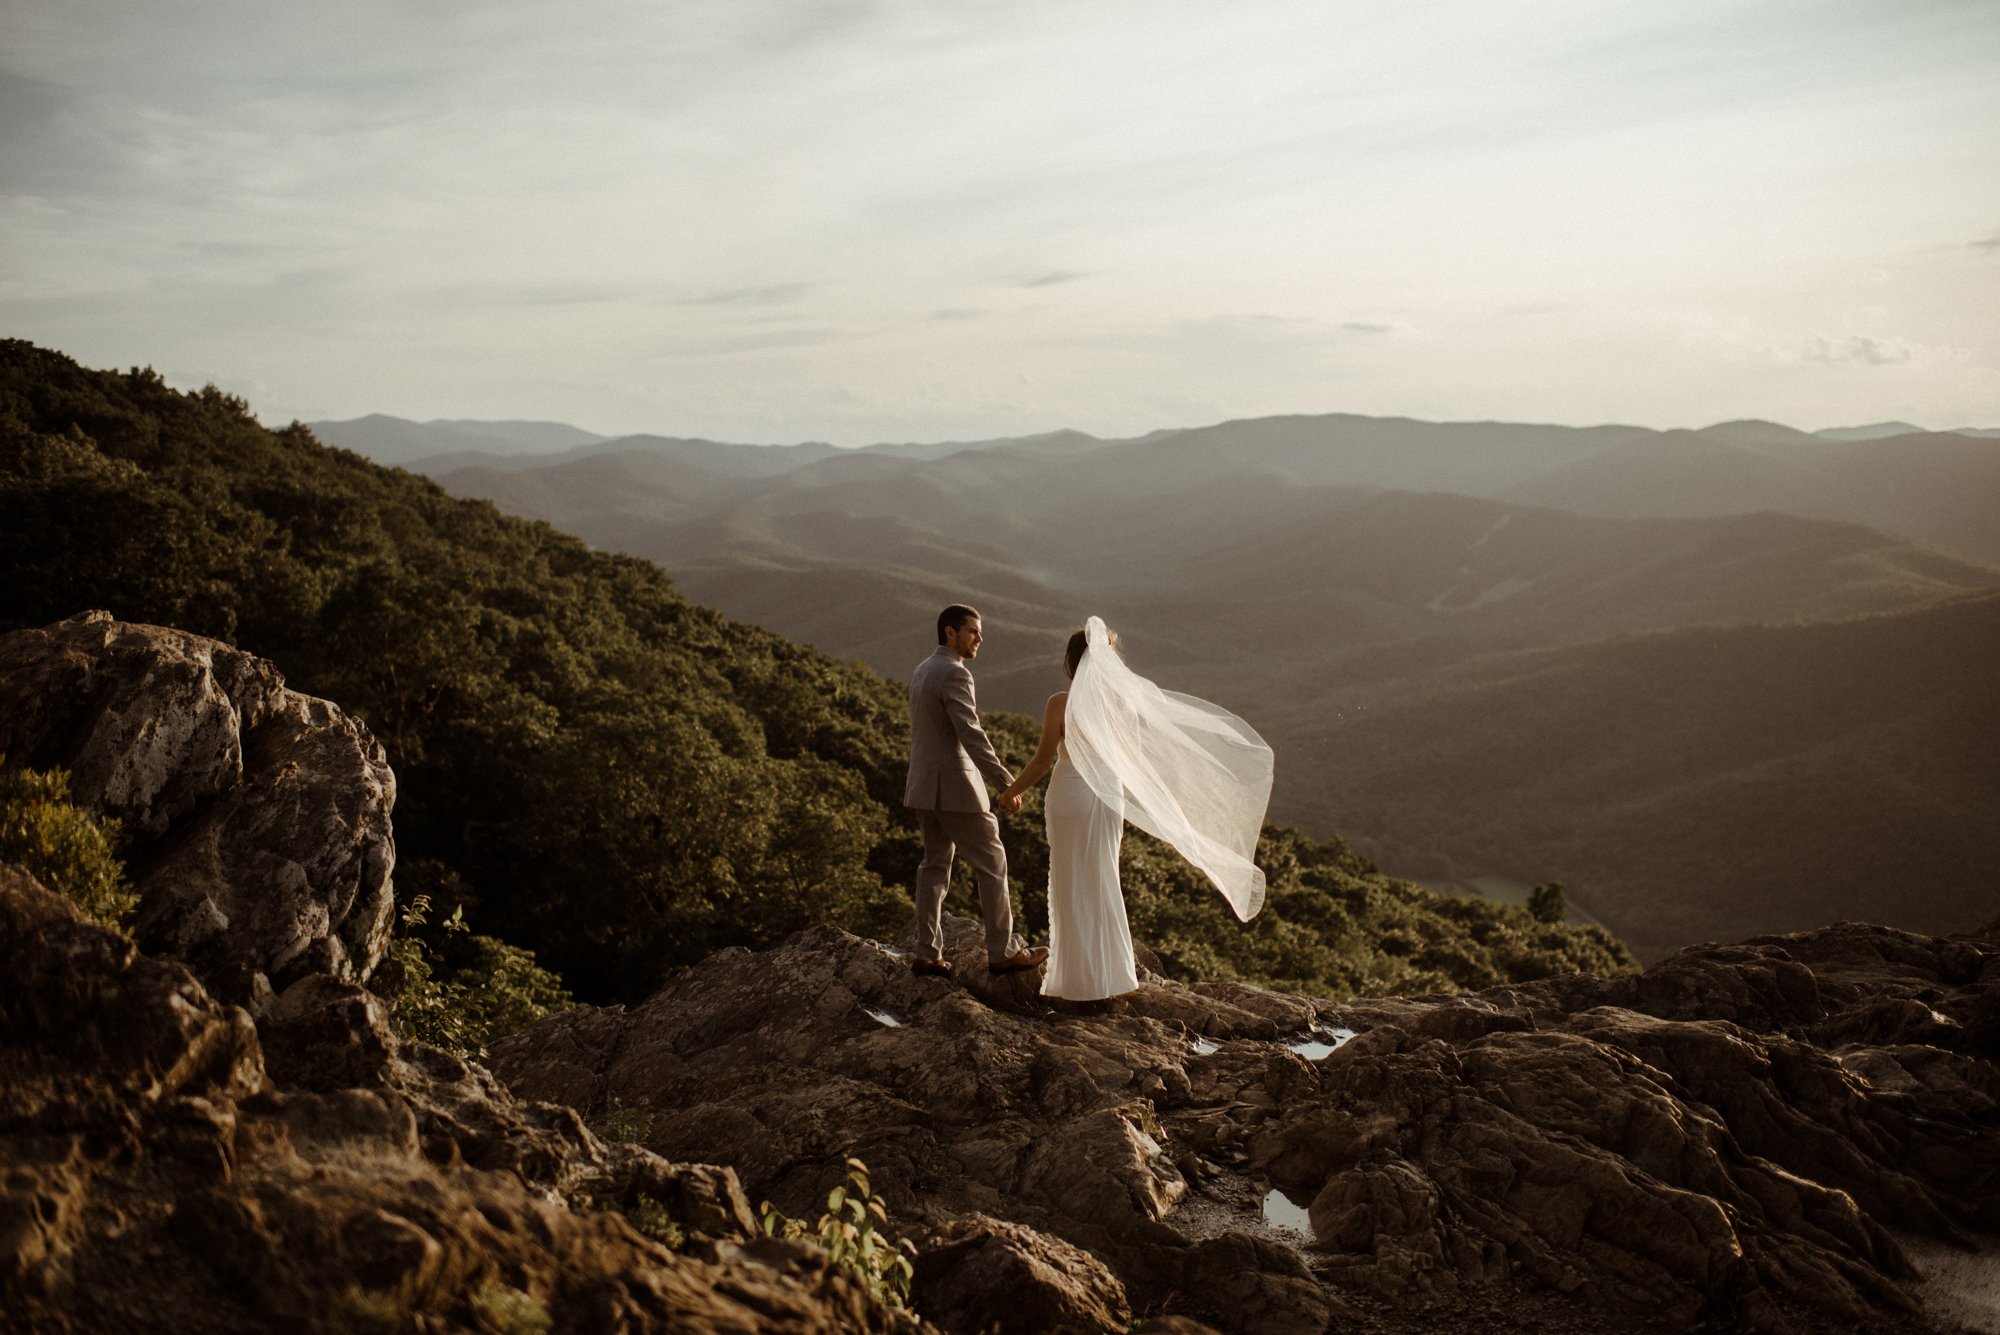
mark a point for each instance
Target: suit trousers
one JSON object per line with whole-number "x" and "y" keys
{"x": 975, "y": 835}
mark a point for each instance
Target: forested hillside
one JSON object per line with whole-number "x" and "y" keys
{"x": 594, "y": 767}
{"x": 1764, "y": 776}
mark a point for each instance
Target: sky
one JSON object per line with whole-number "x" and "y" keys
{"x": 879, "y": 220}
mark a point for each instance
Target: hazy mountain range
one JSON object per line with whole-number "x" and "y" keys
{"x": 1485, "y": 652}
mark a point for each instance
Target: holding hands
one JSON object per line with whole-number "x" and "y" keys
{"x": 1009, "y": 802}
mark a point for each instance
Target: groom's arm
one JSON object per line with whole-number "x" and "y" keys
{"x": 964, "y": 716}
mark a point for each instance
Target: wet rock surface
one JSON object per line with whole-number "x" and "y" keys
{"x": 156, "y": 1173}
{"x": 1733, "y": 1140}
{"x": 258, "y": 818}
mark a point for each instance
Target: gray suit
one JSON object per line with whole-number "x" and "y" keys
{"x": 949, "y": 754}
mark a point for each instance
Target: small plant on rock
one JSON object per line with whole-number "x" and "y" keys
{"x": 651, "y": 1218}
{"x": 366, "y": 1312}
{"x": 623, "y": 1123}
{"x": 847, "y": 1233}
{"x": 62, "y": 846}
{"x": 511, "y": 1310}
{"x": 500, "y": 991}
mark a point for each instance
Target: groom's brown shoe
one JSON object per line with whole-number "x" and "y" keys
{"x": 932, "y": 968}
{"x": 1019, "y": 960}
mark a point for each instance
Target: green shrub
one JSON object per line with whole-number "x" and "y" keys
{"x": 510, "y": 1310}
{"x": 846, "y": 1232}
{"x": 367, "y": 1312}
{"x": 623, "y": 1123}
{"x": 62, "y": 846}
{"x": 651, "y": 1218}
{"x": 500, "y": 991}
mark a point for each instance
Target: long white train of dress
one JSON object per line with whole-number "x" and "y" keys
{"x": 1090, "y": 942}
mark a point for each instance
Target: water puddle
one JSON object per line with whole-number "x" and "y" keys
{"x": 883, "y": 1017}
{"x": 1282, "y": 1211}
{"x": 1204, "y": 1046}
{"x": 1323, "y": 1040}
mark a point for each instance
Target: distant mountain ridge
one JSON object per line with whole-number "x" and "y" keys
{"x": 1309, "y": 571}
{"x": 1872, "y": 431}
{"x": 510, "y": 439}
{"x": 442, "y": 445}
{"x": 1937, "y": 487}
{"x": 397, "y": 441}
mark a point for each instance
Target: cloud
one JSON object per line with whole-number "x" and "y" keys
{"x": 1286, "y": 330}
{"x": 759, "y": 342}
{"x": 514, "y": 200}
{"x": 1741, "y": 340}
{"x": 748, "y": 296}
{"x": 504, "y": 294}
{"x": 55, "y": 143}
{"x": 1864, "y": 350}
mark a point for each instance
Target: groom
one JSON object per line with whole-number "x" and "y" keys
{"x": 948, "y": 753}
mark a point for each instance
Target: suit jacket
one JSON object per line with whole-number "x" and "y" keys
{"x": 949, "y": 751}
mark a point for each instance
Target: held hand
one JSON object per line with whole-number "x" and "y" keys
{"x": 1010, "y": 803}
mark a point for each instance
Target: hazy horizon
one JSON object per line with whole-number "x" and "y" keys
{"x": 865, "y": 221}
{"x": 469, "y": 423}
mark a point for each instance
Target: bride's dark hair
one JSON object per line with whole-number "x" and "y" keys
{"x": 1077, "y": 644}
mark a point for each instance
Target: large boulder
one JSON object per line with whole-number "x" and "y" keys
{"x": 1752, "y": 1137}
{"x": 984, "y": 1276}
{"x": 257, "y": 818}
{"x": 155, "y": 1173}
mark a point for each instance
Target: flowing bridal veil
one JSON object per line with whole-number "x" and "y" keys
{"x": 1184, "y": 771}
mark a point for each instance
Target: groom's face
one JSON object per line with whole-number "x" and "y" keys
{"x": 964, "y": 640}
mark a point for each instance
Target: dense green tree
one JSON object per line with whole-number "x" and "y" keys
{"x": 1548, "y": 903}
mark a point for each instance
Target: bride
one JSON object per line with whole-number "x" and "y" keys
{"x": 1184, "y": 771}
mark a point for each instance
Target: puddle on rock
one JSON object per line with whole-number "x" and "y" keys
{"x": 883, "y": 1017}
{"x": 1204, "y": 1046}
{"x": 1324, "y": 1040}
{"x": 1282, "y": 1211}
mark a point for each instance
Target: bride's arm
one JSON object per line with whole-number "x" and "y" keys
{"x": 1045, "y": 754}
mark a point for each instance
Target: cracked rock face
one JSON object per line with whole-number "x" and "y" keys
{"x": 257, "y": 817}
{"x": 1738, "y": 1137}
{"x": 155, "y": 1173}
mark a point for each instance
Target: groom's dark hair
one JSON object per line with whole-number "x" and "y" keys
{"x": 953, "y": 617}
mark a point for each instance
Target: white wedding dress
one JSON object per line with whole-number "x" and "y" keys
{"x": 1192, "y": 775}
{"x": 1090, "y": 944}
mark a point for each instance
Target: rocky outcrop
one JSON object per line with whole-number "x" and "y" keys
{"x": 1783, "y": 1135}
{"x": 159, "y": 1174}
{"x": 1738, "y": 1137}
{"x": 979, "y": 1275}
{"x": 257, "y": 818}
